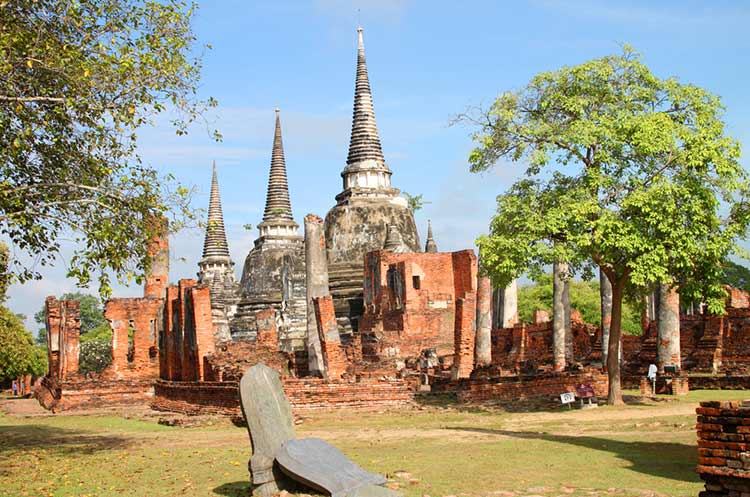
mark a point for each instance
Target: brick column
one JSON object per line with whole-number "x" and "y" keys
{"x": 668, "y": 342}
{"x": 53, "y": 313}
{"x": 316, "y": 267}
{"x": 71, "y": 331}
{"x": 483, "y": 347}
{"x": 157, "y": 278}
{"x": 117, "y": 317}
{"x": 464, "y": 331}
{"x": 204, "y": 327}
{"x": 334, "y": 358}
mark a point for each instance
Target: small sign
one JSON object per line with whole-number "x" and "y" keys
{"x": 567, "y": 398}
{"x": 585, "y": 391}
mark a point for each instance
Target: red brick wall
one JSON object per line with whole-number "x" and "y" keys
{"x": 426, "y": 316}
{"x": 303, "y": 394}
{"x": 724, "y": 448}
{"x": 230, "y": 360}
{"x": 157, "y": 278}
{"x": 533, "y": 344}
{"x": 520, "y": 388}
{"x": 93, "y": 393}
{"x": 268, "y": 333}
{"x": 144, "y": 316}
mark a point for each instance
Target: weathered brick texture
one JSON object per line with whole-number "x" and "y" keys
{"x": 465, "y": 330}
{"x": 724, "y": 448}
{"x": 63, "y": 322}
{"x": 409, "y": 301}
{"x": 547, "y": 386}
{"x": 308, "y": 393}
{"x": 334, "y": 358}
{"x": 135, "y": 324}
{"x": 268, "y": 333}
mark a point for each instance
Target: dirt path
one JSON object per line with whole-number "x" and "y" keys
{"x": 16, "y": 406}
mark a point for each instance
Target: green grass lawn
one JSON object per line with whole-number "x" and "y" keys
{"x": 644, "y": 449}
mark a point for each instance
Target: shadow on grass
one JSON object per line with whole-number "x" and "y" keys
{"x": 234, "y": 489}
{"x": 60, "y": 440}
{"x": 675, "y": 461}
{"x": 450, "y": 401}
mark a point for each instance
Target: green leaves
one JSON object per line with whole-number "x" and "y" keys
{"x": 79, "y": 81}
{"x": 625, "y": 171}
{"x": 18, "y": 354}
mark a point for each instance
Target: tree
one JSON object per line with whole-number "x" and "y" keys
{"x": 415, "y": 202}
{"x": 625, "y": 171}
{"x": 736, "y": 275}
{"x": 79, "y": 79}
{"x": 584, "y": 297}
{"x": 18, "y": 355}
{"x": 92, "y": 315}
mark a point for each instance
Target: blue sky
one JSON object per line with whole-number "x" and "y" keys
{"x": 428, "y": 61}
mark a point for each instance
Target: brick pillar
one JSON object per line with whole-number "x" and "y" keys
{"x": 316, "y": 267}
{"x": 72, "y": 332}
{"x": 157, "y": 278}
{"x": 483, "y": 346}
{"x": 505, "y": 306}
{"x": 27, "y": 384}
{"x": 668, "y": 342}
{"x": 268, "y": 333}
{"x": 464, "y": 331}
{"x": 186, "y": 331}
{"x": 559, "y": 313}
{"x": 204, "y": 328}
{"x": 605, "y": 295}
{"x": 117, "y": 317}
{"x": 53, "y": 313}
{"x": 334, "y": 358}
{"x": 166, "y": 336}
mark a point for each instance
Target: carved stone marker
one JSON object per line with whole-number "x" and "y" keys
{"x": 276, "y": 453}
{"x": 269, "y": 422}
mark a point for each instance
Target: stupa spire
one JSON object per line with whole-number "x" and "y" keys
{"x": 215, "y": 244}
{"x": 430, "y": 246}
{"x": 278, "y": 205}
{"x": 364, "y": 144}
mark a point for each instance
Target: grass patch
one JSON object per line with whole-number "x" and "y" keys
{"x": 631, "y": 450}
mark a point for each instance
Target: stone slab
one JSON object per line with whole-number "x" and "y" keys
{"x": 319, "y": 465}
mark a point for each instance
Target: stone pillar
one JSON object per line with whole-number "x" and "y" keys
{"x": 510, "y": 304}
{"x": 668, "y": 326}
{"x": 569, "y": 352}
{"x": 316, "y": 267}
{"x": 559, "y": 274}
{"x": 334, "y": 358}
{"x": 464, "y": 331}
{"x": 483, "y": 342}
{"x": 605, "y": 294}
{"x": 204, "y": 328}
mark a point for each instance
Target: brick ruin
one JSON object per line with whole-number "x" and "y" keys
{"x": 353, "y": 314}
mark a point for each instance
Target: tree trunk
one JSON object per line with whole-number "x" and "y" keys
{"x": 613, "y": 352}
{"x": 559, "y": 269}
{"x": 605, "y": 295}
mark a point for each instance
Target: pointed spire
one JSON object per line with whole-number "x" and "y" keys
{"x": 365, "y": 141}
{"x": 215, "y": 244}
{"x": 278, "y": 205}
{"x": 430, "y": 247}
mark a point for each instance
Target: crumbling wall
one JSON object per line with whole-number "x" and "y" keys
{"x": 409, "y": 301}
{"x": 136, "y": 324}
{"x": 723, "y": 448}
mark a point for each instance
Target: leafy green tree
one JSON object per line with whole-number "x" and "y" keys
{"x": 415, "y": 202}
{"x": 736, "y": 275}
{"x": 18, "y": 354}
{"x": 584, "y": 297}
{"x": 79, "y": 79}
{"x": 96, "y": 354}
{"x": 92, "y": 315}
{"x": 625, "y": 171}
